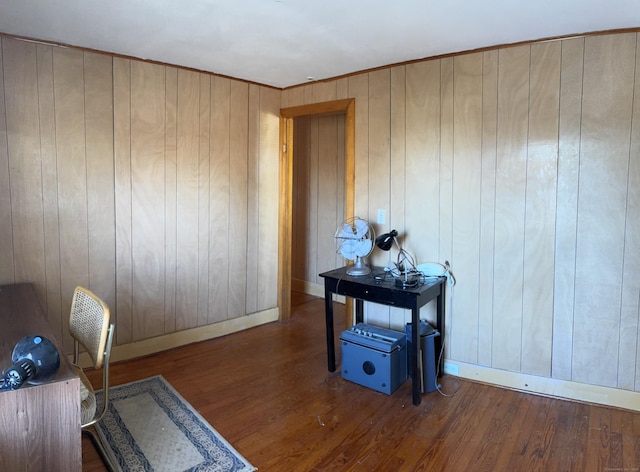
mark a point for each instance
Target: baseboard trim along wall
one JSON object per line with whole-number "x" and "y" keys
{"x": 188, "y": 336}
{"x": 564, "y": 389}
{"x": 311, "y": 288}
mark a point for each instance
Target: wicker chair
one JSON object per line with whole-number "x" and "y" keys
{"x": 89, "y": 326}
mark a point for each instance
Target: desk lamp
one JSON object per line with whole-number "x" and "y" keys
{"x": 34, "y": 358}
{"x": 385, "y": 242}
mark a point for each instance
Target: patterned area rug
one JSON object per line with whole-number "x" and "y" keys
{"x": 150, "y": 427}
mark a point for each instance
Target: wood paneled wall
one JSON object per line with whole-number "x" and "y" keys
{"x": 156, "y": 187}
{"x": 520, "y": 166}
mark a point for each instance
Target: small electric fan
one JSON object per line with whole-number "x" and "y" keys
{"x": 354, "y": 241}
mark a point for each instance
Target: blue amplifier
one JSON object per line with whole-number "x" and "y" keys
{"x": 374, "y": 357}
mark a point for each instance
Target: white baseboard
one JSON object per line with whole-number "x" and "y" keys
{"x": 608, "y": 396}
{"x": 314, "y": 289}
{"x": 188, "y": 336}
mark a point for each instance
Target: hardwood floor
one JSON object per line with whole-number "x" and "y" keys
{"x": 268, "y": 392}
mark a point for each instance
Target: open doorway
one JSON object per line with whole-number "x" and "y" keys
{"x": 318, "y": 199}
{"x": 286, "y": 206}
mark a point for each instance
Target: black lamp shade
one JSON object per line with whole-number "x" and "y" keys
{"x": 385, "y": 241}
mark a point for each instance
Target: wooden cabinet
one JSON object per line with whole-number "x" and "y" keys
{"x": 39, "y": 424}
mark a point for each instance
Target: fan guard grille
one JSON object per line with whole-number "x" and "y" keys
{"x": 354, "y": 241}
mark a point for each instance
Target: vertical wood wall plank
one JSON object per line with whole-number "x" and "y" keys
{"x": 341, "y": 150}
{"x": 238, "y": 222}
{"x": 220, "y": 187}
{"x": 68, "y": 71}
{"x": 293, "y": 97}
{"x": 253, "y": 198}
{"x": 540, "y": 209}
{"x": 359, "y": 89}
{"x": 170, "y": 201}
{"x": 422, "y": 163}
{"x": 629, "y": 361}
{"x": 442, "y": 251}
{"x": 567, "y": 206}
{"x": 324, "y": 91}
{"x": 147, "y": 198}
{"x": 23, "y": 146}
{"x": 379, "y": 149}
{"x": 46, "y": 107}
{"x": 513, "y": 97}
{"x": 446, "y": 161}
{"x": 466, "y": 195}
{"x": 397, "y": 123}
{"x": 487, "y": 206}
{"x": 606, "y": 127}
{"x": 630, "y": 297}
{"x": 307, "y": 93}
{"x": 7, "y": 273}
{"x": 187, "y": 199}
{"x": 342, "y": 88}
{"x": 631, "y": 274}
{"x": 379, "y": 176}
{"x": 304, "y": 209}
{"x": 300, "y": 205}
{"x": 421, "y": 233}
{"x": 204, "y": 202}
{"x": 397, "y": 178}
{"x": 122, "y": 168}
{"x": 269, "y": 123}
{"x": 98, "y": 73}
{"x": 311, "y": 236}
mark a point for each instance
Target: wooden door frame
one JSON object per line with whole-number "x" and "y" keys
{"x": 285, "y": 204}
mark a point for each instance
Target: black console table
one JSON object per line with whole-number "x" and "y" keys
{"x": 377, "y": 288}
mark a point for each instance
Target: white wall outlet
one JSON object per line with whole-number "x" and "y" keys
{"x": 451, "y": 368}
{"x": 382, "y": 216}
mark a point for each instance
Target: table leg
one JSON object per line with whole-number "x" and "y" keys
{"x": 328, "y": 310}
{"x": 415, "y": 340}
{"x": 440, "y": 326}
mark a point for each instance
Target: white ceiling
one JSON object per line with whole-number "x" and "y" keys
{"x": 287, "y": 42}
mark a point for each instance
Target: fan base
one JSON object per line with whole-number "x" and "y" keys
{"x": 358, "y": 270}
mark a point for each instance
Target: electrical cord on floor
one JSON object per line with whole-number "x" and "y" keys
{"x": 441, "y": 354}
{"x": 439, "y": 386}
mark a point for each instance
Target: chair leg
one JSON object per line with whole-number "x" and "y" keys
{"x": 101, "y": 450}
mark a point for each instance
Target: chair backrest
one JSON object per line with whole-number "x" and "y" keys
{"x": 89, "y": 324}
